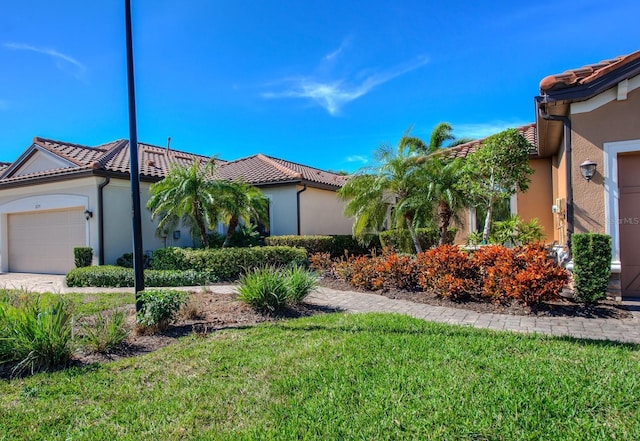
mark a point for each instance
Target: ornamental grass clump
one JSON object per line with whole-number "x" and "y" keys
{"x": 35, "y": 336}
{"x": 270, "y": 289}
{"x": 106, "y": 333}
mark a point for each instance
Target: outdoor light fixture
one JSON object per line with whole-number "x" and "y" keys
{"x": 588, "y": 169}
{"x": 88, "y": 214}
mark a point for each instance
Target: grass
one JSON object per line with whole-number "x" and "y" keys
{"x": 90, "y": 304}
{"x": 340, "y": 376}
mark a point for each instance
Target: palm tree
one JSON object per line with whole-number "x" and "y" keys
{"x": 444, "y": 175}
{"x": 440, "y": 134}
{"x": 187, "y": 195}
{"x": 241, "y": 202}
{"x": 396, "y": 182}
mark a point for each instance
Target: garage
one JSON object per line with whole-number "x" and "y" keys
{"x": 43, "y": 241}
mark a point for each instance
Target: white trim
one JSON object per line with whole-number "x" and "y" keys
{"x": 612, "y": 194}
{"x": 513, "y": 204}
{"x": 623, "y": 90}
{"x": 472, "y": 220}
{"x": 606, "y": 97}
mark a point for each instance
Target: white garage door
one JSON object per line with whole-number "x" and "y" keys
{"x": 43, "y": 241}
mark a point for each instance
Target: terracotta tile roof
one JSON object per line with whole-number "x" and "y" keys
{"x": 261, "y": 169}
{"x": 463, "y": 150}
{"x": 154, "y": 163}
{"x": 585, "y": 74}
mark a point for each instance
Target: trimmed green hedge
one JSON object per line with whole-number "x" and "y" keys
{"x": 400, "y": 241}
{"x": 116, "y": 276}
{"x": 226, "y": 263}
{"x": 82, "y": 256}
{"x": 336, "y": 245}
{"x": 592, "y": 265}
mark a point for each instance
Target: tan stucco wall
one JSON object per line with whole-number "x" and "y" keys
{"x": 615, "y": 121}
{"x": 537, "y": 201}
{"x": 283, "y": 212}
{"x": 118, "y": 226}
{"x": 321, "y": 212}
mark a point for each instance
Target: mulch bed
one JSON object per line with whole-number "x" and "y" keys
{"x": 561, "y": 307}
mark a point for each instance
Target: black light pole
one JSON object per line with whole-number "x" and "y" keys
{"x": 138, "y": 259}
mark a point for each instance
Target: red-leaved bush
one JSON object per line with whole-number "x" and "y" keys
{"x": 495, "y": 273}
{"x": 447, "y": 270}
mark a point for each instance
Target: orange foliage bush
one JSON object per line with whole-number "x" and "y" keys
{"x": 447, "y": 270}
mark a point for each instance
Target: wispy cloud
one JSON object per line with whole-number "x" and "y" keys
{"x": 357, "y": 159}
{"x": 332, "y": 95}
{"x": 63, "y": 61}
{"x": 482, "y": 130}
{"x": 334, "y": 54}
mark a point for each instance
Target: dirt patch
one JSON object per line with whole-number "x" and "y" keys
{"x": 206, "y": 312}
{"x": 557, "y": 308}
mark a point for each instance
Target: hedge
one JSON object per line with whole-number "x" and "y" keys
{"x": 399, "y": 241}
{"x": 226, "y": 263}
{"x": 82, "y": 256}
{"x": 336, "y": 245}
{"x": 116, "y": 276}
{"x": 592, "y": 266}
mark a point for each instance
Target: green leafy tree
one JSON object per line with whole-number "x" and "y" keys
{"x": 188, "y": 195}
{"x": 496, "y": 171}
{"x": 240, "y": 201}
{"x": 396, "y": 181}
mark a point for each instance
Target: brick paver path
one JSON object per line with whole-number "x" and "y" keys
{"x": 627, "y": 330}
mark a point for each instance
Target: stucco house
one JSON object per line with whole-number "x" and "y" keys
{"x": 58, "y": 195}
{"x": 586, "y": 117}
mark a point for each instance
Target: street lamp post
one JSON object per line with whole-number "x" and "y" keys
{"x": 138, "y": 259}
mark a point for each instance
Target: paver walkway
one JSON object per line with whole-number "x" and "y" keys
{"x": 627, "y": 330}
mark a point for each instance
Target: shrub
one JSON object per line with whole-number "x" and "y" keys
{"x": 515, "y": 232}
{"x": 447, "y": 270}
{"x": 227, "y": 263}
{"x": 158, "y": 309}
{"x": 400, "y": 241}
{"x": 336, "y": 245}
{"x": 115, "y": 276}
{"x": 35, "y": 337}
{"x": 592, "y": 266}
{"x": 106, "y": 333}
{"x": 126, "y": 260}
{"x": 320, "y": 261}
{"x": 263, "y": 289}
{"x": 299, "y": 282}
{"x": 82, "y": 256}
{"x": 495, "y": 271}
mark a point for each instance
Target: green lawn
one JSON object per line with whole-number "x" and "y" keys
{"x": 340, "y": 376}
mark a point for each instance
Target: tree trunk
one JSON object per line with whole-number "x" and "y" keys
{"x": 412, "y": 233}
{"x": 233, "y": 224}
{"x": 444, "y": 217}
{"x": 487, "y": 223}
{"x": 201, "y": 226}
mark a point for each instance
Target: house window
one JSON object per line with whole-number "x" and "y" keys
{"x": 263, "y": 228}
{"x": 501, "y": 211}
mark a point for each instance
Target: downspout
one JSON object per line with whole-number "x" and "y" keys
{"x": 101, "y": 220}
{"x": 304, "y": 188}
{"x": 566, "y": 121}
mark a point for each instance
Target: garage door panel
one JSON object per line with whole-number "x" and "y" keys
{"x": 43, "y": 242}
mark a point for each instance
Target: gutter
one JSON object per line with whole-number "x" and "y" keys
{"x": 101, "y": 187}
{"x": 304, "y": 188}
{"x": 566, "y": 121}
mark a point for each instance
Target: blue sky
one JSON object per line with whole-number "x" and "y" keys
{"x": 322, "y": 83}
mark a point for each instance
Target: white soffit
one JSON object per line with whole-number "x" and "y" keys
{"x": 615, "y": 93}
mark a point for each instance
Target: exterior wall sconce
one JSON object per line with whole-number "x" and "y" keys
{"x": 588, "y": 169}
{"x": 88, "y": 214}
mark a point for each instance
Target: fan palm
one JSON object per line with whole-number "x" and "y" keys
{"x": 188, "y": 195}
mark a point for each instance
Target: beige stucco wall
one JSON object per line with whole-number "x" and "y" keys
{"x": 615, "y": 121}
{"x": 118, "y": 225}
{"x": 321, "y": 212}
{"x": 536, "y": 202}
{"x": 283, "y": 213}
